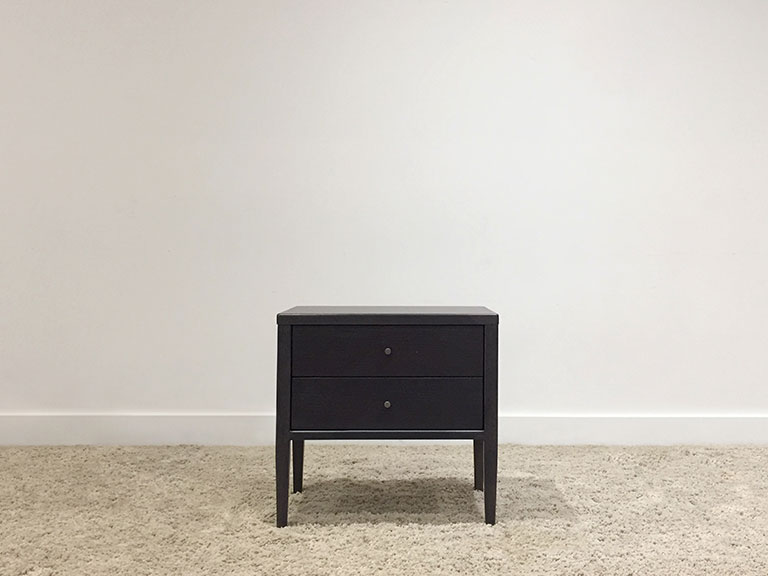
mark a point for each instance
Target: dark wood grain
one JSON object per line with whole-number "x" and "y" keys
{"x": 378, "y": 315}
{"x": 491, "y": 438}
{"x": 437, "y": 367}
{"x": 283, "y": 419}
{"x": 361, "y": 403}
{"x": 388, "y": 351}
{"x": 477, "y": 446}
{"x": 298, "y": 464}
{"x": 388, "y": 434}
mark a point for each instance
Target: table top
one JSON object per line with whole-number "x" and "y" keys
{"x": 424, "y": 315}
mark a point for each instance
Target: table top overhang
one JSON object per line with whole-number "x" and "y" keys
{"x": 379, "y": 315}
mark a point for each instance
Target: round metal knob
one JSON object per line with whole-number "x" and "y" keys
{"x": 387, "y": 351}
{"x": 387, "y": 403}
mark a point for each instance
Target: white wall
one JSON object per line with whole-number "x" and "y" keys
{"x": 172, "y": 174}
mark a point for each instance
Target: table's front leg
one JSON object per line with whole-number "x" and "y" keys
{"x": 282, "y": 471}
{"x": 491, "y": 420}
{"x": 490, "y": 456}
{"x": 283, "y": 424}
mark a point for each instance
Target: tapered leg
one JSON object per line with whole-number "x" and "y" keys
{"x": 478, "y": 446}
{"x": 491, "y": 416}
{"x": 298, "y": 464}
{"x": 282, "y": 465}
{"x": 282, "y": 421}
{"x": 489, "y": 471}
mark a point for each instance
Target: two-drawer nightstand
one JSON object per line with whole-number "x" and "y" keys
{"x": 387, "y": 373}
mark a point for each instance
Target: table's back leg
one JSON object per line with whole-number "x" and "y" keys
{"x": 298, "y": 464}
{"x": 478, "y": 449}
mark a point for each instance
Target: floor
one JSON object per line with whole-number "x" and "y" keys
{"x": 388, "y": 510}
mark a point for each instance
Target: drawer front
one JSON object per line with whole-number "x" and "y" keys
{"x": 387, "y": 404}
{"x": 387, "y": 351}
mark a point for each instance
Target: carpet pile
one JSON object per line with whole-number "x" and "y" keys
{"x": 384, "y": 509}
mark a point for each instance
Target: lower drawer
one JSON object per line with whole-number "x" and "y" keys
{"x": 387, "y": 404}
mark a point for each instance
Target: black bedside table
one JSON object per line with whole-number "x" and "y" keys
{"x": 387, "y": 373}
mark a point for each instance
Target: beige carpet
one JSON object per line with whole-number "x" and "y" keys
{"x": 388, "y": 510}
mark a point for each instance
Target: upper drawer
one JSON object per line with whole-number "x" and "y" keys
{"x": 387, "y": 351}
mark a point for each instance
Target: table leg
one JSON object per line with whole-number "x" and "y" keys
{"x": 490, "y": 455}
{"x": 282, "y": 470}
{"x": 298, "y": 464}
{"x": 478, "y": 449}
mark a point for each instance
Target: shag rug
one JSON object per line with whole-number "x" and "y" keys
{"x": 384, "y": 509}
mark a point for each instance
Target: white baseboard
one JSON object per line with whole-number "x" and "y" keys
{"x": 631, "y": 429}
{"x": 252, "y": 428}
{"x": 137, "y": 428}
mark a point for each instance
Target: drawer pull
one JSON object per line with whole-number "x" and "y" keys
{"x": 387, "y": 350}
{"x": 387, "y": 403}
